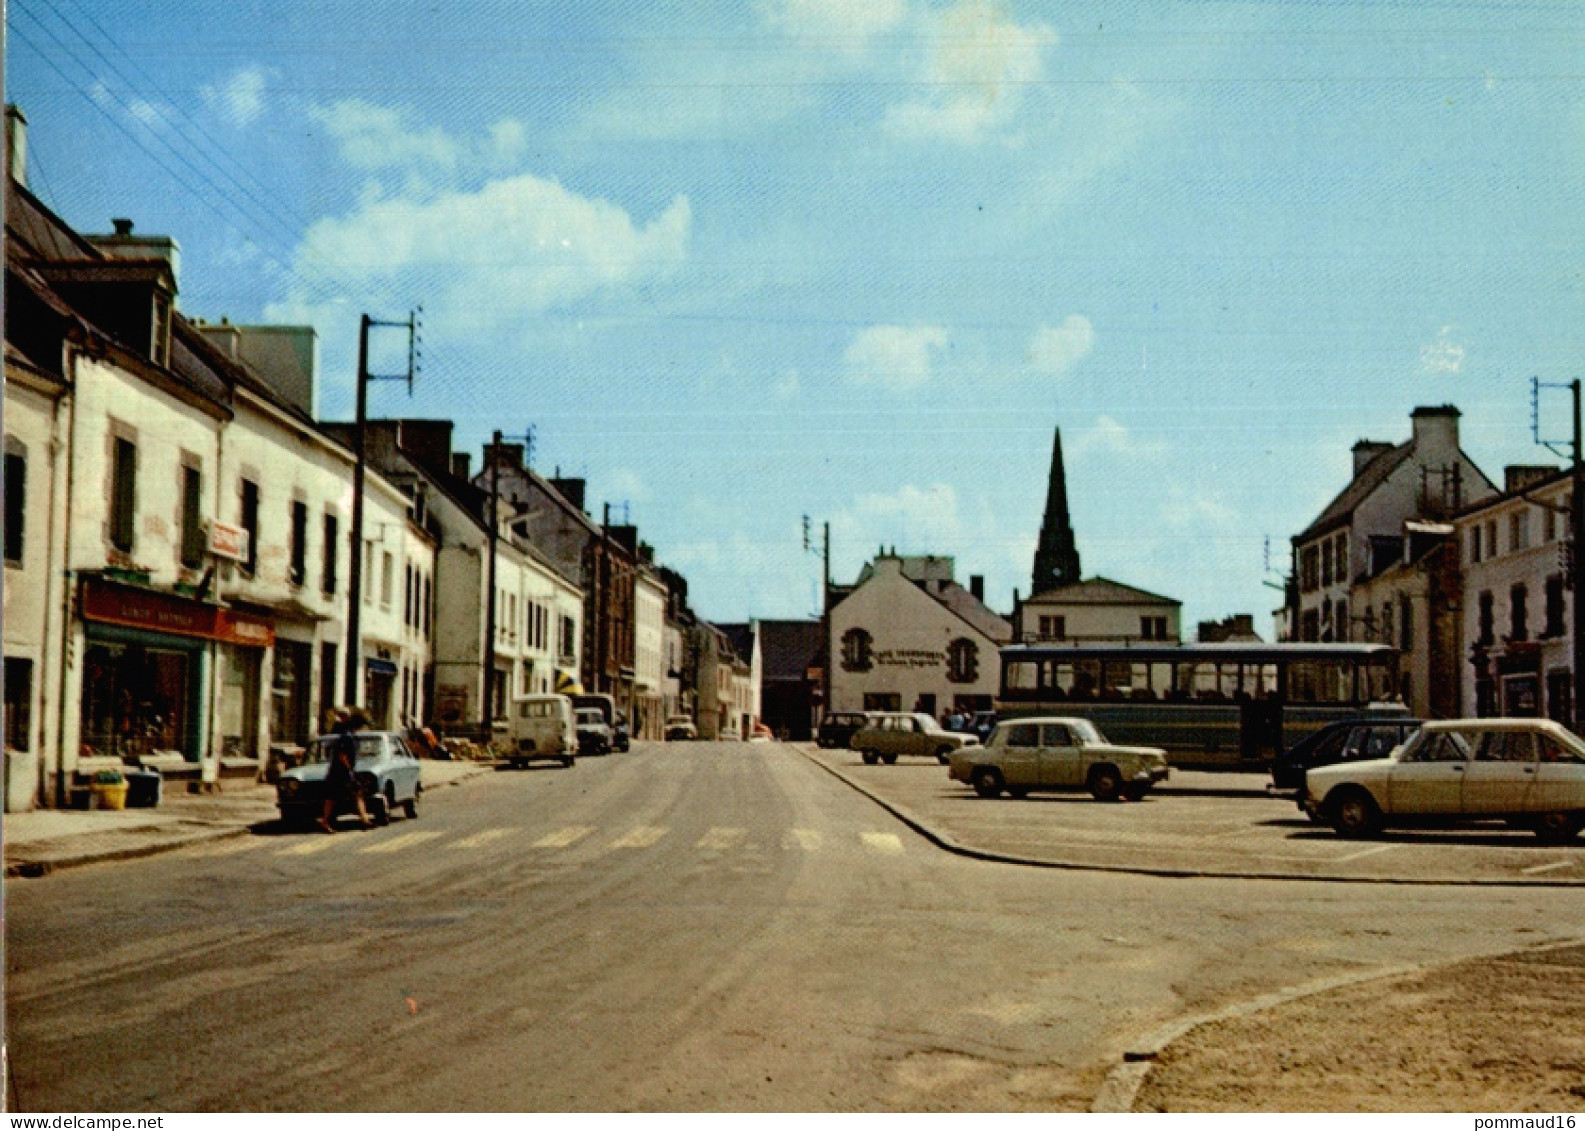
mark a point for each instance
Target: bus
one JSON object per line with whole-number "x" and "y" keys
{"x": 1207, "y": 705}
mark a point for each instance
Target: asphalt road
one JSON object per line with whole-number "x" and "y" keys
{"x": 686, "y": 927}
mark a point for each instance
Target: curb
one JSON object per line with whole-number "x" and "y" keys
{"x": 942, "y": 840}
{"x": 35, "y": 869}
{"x": 1121, "y": 1087}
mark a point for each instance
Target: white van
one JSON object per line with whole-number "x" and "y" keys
{"x": 541, "y": 727}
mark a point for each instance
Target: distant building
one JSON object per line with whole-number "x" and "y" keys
{"x": 907, "y": 637}
{"x": 790, "y": 678}
{"x": 1236, "y": 629}
{"x": 1056, "y": 554}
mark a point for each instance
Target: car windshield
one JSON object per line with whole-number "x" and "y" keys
{"x": 323, "y": 747}
{"x": 591, "y": 718}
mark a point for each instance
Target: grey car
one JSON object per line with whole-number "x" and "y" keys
{"x": 388, "y": 773}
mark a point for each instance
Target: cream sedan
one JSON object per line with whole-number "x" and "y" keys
{"x": 1024, "y": 755}
{"x": 1529, "y": 772}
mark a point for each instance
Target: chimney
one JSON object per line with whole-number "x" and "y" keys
{"x": 1435, "y": 435}
{"x": 1516, "y": 477}
{"x": 977, "y": 587}
{"x": 17, "y": 145}
{"x": 123, "y": 244}
{"x": 1367, "y": 450}
{"x": 570, "y": 489}
{"x": 460, "y": 464}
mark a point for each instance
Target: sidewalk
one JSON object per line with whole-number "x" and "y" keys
{"x": 43, "y": 840}
{"x": 1505, "y": 1033}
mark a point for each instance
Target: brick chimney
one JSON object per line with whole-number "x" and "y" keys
{"x": 977, "y": 587}
{"x": 1516, "y": 477}
{"x": 1367, "y": 450}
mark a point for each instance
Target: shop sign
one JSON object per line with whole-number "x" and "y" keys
{"x": 153, "y": 611}
{"x": 908, "y": 658}
{"x": 227, "y": 541}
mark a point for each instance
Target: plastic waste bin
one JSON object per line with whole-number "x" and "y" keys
{"x": 144, "y": 788}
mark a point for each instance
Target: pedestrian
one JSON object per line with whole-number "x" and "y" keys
{"x": 341, "y": 780}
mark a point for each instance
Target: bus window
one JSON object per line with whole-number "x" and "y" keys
{"x": 1320, "y": 681}
{"x": 1377, "y": 680}
{"x": 1022, "y": 676}
{"x": 1086, "y": 679}
{"x": 1259, "y": 681}
{"x": 1160, "y": 681}
{"x": 1119, "y": 678}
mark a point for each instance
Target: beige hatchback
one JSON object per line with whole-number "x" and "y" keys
{"x": 1530, "y": 772}
{"x": 1060, "y": 753}
{"x": 889, "y": 734}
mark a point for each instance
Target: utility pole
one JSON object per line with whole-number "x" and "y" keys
{"x": 825, "y": 611}
{"x": 493, "y": 524}
{"x": 355, "y": 574}
{"x": 1574, "y": 572}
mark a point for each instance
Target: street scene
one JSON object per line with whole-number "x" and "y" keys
{"x": 935, "y": 555}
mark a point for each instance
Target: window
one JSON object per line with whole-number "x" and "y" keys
{"x": 1554, "y": 606}
{"x": 387, "y": 577}
{"x": 367, "y": 580}
{"x": 1309, "y": 569}
{"x": 963, "y": 661}
{"x": 1342, "y": 558}
{"x": 1548, "y": 524}
{"x": 1491, "y": 538}
{"x": 429, "y": 606}
{"x": 123, "y": 493}
{"x": 18, "y": 703}
{"x": 1055, "y": 734}
{"x": 1405, "y": 624}
{"x": 299, "y": 568}
{"x": 1487, "y": 619}
{"x": 1326, "y": 563}
{"x": 1518, "y": 628}
{"x": 1053, "y": 628}
{"x": 15, "y": 495}
{"x": 328, "y": 569}
{"x": 856, "y": 653}
{"x": 1153, "y": 628}
{"x": 407, "y": 597}
{"x": 250, "y": 523}
{"x": 1474, "y": 543}
{"x": 192, "y": 517}
{"x": 1023, "y": 734}
{"x": 1518, "y": 530}
{"x": 1504, "y": 746}
{"x": 568, "y": 636}
{"x": 1440, "y": 746}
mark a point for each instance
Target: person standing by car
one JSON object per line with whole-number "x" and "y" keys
{"x": 341, "y": 781}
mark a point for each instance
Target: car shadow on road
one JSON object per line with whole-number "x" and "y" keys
{"x": 1469, "y": 837}
{"x": 532, "y": 767}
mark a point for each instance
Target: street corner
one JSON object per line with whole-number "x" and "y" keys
{"x": 1200, "y": 824}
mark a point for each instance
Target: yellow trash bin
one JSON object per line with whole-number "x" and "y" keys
{"x": 110, "y": 795}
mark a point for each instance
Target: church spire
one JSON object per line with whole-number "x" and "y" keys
{"x": 1056, "y": 556}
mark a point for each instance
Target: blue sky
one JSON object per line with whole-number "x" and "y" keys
{"x": 737, "y": 263}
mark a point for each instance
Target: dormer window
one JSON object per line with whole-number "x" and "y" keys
{"x": 160, "y": 331}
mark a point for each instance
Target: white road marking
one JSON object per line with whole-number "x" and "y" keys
{"x": 1547, "y": 867}
{"x": 719, "y": 838}
{"x": 564, "y": 838}
{"x": 641, "y": 837}
{"x": 1365, "y": 853}
{"x": 807, "y": 839}
{"x": 888, "y": 843}
{"x": 480, "y": 839}
{"x": 309, "y": 847}
{"x": 397, "y": 843}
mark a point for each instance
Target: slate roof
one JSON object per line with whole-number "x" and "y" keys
{"x": 788, "y": 649}
{"x": 1100, "y": 591}
{"x": 741, "y": 637}
{"x": 1360, "y": 488}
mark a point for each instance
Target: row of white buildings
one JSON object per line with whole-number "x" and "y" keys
{"x": 1467, "y": 578}
{"x": 178, "y": 556}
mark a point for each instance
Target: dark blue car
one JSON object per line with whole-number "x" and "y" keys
{"x": 1347, "y": 741}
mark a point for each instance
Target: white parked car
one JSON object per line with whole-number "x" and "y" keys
{"x": 1530, "y": 772}
{"x": 1024, "y": 755}
{"x": 541, "y": 727}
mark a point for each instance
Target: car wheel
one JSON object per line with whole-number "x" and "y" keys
{"x": 944, "y": 755}
{"x": 1106, "y": 784}
{"x": 889, "y": 759}
{"x": 410, "y": 807}
{"x": 1559, "y": 828}
{"x": 987, "y": 781}
{"x": 1354, "y": 814}
{"x": 382, "y": 804}
{"x": 870, "y": 757}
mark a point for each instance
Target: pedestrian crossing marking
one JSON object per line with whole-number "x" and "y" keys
{"x": 1552, "y": 867}
{"x": 806, "y": 839}
{"x": 309, "y": 847}
{"x": 720, "y": 838}
{"x": 479, "y": 840}
{"x": 882, "y": 842}
{"x": 397, "y": 843}
{"x": 564, "y": 838}
{"x": 641, "y": 837}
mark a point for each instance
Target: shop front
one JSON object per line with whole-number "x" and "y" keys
{"x": 147, "y": 664}
{"x": 379, "y": 678}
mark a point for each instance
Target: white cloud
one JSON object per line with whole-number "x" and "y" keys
{"x": 484, "y": 260}
{"x": 1110, "y": 436}
{"x": 240, "y": 99}
{"x": 1183, "y": 508}
{"x": 916, "y": 520}
{"x": 376, "y": 137}
{"x": 980, "y": 59}
{"x": 898, "y": 357}
{"x": 1056, "y": 350}
{"x": 1444, "y": 355}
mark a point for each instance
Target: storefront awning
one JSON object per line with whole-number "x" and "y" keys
{"x": 153, "y": 610}
{"x": 378, "y": 666}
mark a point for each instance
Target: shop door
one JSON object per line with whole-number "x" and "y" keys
{"x": 239, "y": 702}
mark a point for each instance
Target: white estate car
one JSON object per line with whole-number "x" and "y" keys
{"x": 1530, "y": 772}
{"x": 1058, "y": 753}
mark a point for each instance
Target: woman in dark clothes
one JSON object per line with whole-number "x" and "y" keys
{"x": 341, "y": 783}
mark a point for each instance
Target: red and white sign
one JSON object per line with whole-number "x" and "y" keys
{"x": 227, "y": 541}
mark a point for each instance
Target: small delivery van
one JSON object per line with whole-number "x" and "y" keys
{"x": 541, "y": 728}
